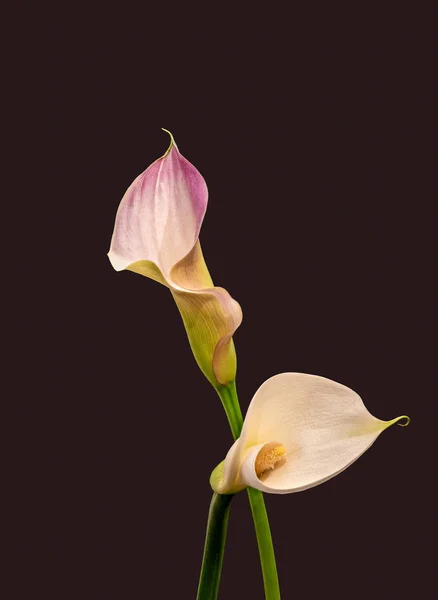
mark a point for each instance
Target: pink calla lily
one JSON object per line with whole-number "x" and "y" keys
{"x": 156, "y": 234}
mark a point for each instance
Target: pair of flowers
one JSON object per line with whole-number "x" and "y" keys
{"x": 300, "y": 430}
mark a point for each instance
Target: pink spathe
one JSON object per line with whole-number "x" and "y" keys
{"x": 156, "y": 234}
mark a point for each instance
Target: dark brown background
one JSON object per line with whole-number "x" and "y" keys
{"x": 310, "y": 129}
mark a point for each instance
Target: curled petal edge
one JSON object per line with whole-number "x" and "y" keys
{"x": 210, "y": 314}
{"x": 237, "y": 471}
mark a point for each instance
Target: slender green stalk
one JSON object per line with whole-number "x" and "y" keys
{"x": 266, "y": 547}
{"x": 230, "y": 401}
{"x": 214, "y": 547}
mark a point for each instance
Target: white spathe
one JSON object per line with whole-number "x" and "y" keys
{"x": 324, "y": 427}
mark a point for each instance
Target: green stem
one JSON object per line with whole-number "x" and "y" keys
{"x": 214, "y": 547}
{"x": 230, "y": 401}
{"x": 266, "y": 547}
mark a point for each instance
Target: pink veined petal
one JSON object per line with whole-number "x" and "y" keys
{"x": 160, "y": 215}
{"x": 156, "y": 234}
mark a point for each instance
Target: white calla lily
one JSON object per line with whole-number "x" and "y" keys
{"x": 300, "y": 430}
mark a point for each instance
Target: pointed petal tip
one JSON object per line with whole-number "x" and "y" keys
{"x": 172, "y": 141}
{"x": 324, "y": 426}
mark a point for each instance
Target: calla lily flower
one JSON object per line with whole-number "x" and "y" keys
{"x": 300, "y": 430}
{"x": 156, "y": 234}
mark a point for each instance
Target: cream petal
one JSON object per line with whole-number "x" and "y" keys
{"x": 160, "y": 215}
{"x": 230, "y": 469}
{"x": 323, "y": 425}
